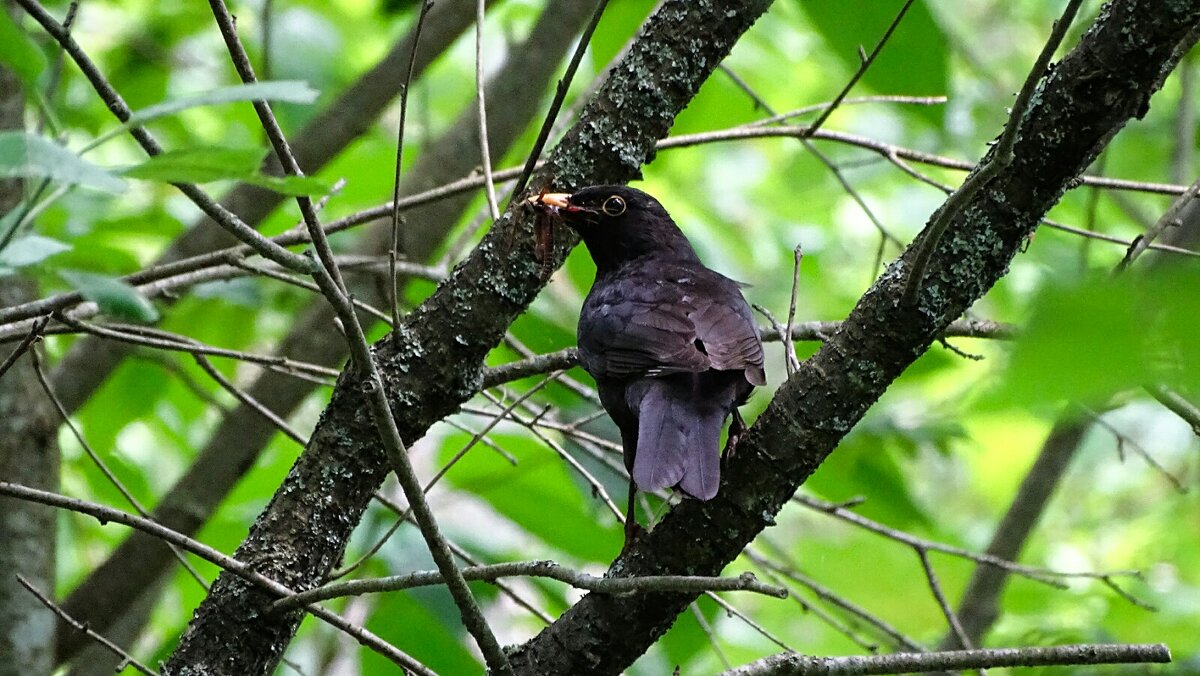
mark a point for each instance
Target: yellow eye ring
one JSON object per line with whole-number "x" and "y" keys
{"x": 614, "y": 206}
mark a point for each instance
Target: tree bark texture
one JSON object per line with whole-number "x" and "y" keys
{"x": 1084, "y": 100}
{"x": 29, "y": 456}
{"x": 243, "y": 433}
{"x": 90, "y": 361}
{"x": 432, "y": 362}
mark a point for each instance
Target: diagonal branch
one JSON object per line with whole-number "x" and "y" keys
{"x": 1102, "y": 84}
{"x": 433, "y": 362}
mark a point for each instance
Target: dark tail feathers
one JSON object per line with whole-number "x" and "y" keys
{"x": 678, "y": 438}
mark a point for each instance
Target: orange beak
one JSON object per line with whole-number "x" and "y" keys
{"x": 553, "y": 199}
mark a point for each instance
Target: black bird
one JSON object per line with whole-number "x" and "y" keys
{"x": 671, "y": 344}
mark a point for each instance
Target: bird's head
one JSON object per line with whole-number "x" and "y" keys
{"x": 617, "y": 223}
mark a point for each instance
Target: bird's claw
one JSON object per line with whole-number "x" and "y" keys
{"x": 633, "y": 533}
{"x": 737, "y": 429}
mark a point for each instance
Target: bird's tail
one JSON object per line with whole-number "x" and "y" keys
{"x": 678, "y": 439}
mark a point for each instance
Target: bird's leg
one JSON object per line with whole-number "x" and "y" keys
{"x": 632, "y": 530}
{"x": 737, "y": 428}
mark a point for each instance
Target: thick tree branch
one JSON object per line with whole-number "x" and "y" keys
{"x": 1102, "y": 84}
{"x": 433, "y": 363}
{"x": 350, "y": 115}
{"x": 243, "y": 433}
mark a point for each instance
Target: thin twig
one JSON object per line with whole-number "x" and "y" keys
{"x": 789, "y": 346}
{"x": 1124, "y": 441}
{"x": 825, "y": 594}
{"x": 560, "y": 93}
{"x": 821, "y": 614}
{"x": 329, "y": 279}
{"x": 164, "y": 340}
{"x": 547, "y": 569}
{"x": 35, "y": 332}
{"x": 126, "y": 658}
{"x": 1043, "y": 575}
{"x": 393, "y": 252}
{"x": 862, "y": 68}
{"x": 466, "y": 557}
{"x": 936, "y": 588}
{"x": 103, "y": 466}
{"x": 485, "y": 150}
{"x": 854, "y": 100}
{"x": 246, "y": 399}
{"x": 956, "y": 660}
{"x": 10, "y": 316}
{"x": 708, "y": 632}
{"x": 107, "y": 515}
{"x": 1177, "y": 404}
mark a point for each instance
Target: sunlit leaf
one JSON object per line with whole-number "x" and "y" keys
{"x": 913, "y": 62}
{"x": 115, "y": 297}
{"x": 1088, "y": 341}
{"x": 291, "y": 91}
{"x": 31, "y": 249}
{"x": 290, "y": 185}
{"x": 198, "y": 165}
{"x": 25, "y": 155}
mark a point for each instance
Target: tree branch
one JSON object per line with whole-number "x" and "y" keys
{"x": 433, "y": 363}
{"x": 903, "y": 663}
{"x": 1098, "y": 87}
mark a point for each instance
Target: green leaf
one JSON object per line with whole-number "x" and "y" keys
{"x": 215, "y": 163}
{"x": 913, "y": 62}
{"x": 115, "y": 297}
{"x": 31, "y": 249}
{"x": 539, "y": 495}
{"x": 291, "y": 185}
{"x": 28, "y": 156}
{"x": 18, "y": 53}
{"x": 291, "y": 91}
{"x": 198, "y": 165}
{"x": 1088, "y": 341}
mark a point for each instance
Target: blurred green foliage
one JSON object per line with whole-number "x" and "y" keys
{"x": 939, "y": 457}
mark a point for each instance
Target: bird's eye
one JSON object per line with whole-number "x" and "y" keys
{"x": 613, "y": 206}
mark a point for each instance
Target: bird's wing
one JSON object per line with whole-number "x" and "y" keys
{"x": 725, "y": 327}
{"x": 636, "y": 327}
{"x": 686, "y": 320}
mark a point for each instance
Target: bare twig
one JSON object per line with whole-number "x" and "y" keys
{"x": 825, "y": 594}
{"x": 936, "y": 587}
{"x": 393, "y": 252}
{"x": 126, "y": 658}
{"x": 1171, "y": 218}
{"x": 1178, "y": 404}
{"x": 35, "y": 331}
{"x": 789, "y": 348}
{"x": 862, "y": 68}
{"x": 560, "y": 93}
{"x": 1043, "y": 575}
{"x": 107, "y": 515}
{"x": 546, "y": 569}
{"x": 485, "y": 150}
{"x": 329, "y": 279}
{"x": 103, "y": 466}
{"x": 904, "y": 663}
{"x": 248, "y": 400}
